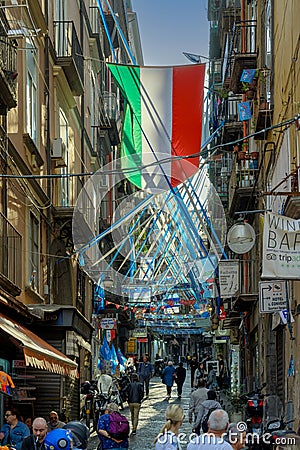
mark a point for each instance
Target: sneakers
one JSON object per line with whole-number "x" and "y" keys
{"x": 133, "y": 432}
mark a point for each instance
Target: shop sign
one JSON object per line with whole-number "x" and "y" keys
{"x": 281, "y": 247}
{"x": 229, "y": 278}
{"x": 142, "y": 340}
{"x": 140, "y": 333}
{"x": 18, "y": 363}
{"x": 131, "y": 345}
{"x": 108, "y": 323}
{"x": 273, "y": 296}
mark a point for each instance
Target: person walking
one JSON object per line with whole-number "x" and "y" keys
{"x": 212, "y": 382}
{"x": 180, "y": 375}
{"x": 145, "y": 371}
{"x": 200, "y": 373}
{"x": 135, "y": 394}
{"x": 107, "y": 441}
{"x": 193, "y": 366}
{"x": 36, "y": 440}
{"x": 14, "y": 430}
{"x": 54, "y": 423}
{"x": 205, "y": 410}
{"x": 213, "y": 440}
{"x": 168, "y": 437}
{"x": 222, "y": 371}
{"x": 168, "y": 377}
{"x": 197, "y": 397}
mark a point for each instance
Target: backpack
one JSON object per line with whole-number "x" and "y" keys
{"x": 118, "y": 426}
{"x": 205, "y": 419}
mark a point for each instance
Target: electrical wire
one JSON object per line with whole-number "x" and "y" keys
{"x": 162, "y": 161}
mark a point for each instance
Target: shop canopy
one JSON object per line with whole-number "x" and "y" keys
{"x": 37, "y": 352}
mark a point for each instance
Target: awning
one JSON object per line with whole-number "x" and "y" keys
{"x": 37, "y": 352}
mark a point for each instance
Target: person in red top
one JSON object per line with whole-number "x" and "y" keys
{"x": 5, "y": 381}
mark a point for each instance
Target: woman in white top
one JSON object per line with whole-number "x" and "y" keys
{"x": 167, "y": 438}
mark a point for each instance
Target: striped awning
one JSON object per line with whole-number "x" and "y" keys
{"x": 37, "y": 352}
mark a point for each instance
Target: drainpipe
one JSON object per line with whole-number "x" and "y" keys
{"x": 48, "y": 155}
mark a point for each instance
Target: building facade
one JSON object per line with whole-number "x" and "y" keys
{"x": 60, "y": 121}
{"x": 255, "y": 170}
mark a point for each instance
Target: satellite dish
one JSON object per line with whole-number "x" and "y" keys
{"x": 241, "y": 238}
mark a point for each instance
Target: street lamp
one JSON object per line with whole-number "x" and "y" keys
{"x": 195, "y": 58}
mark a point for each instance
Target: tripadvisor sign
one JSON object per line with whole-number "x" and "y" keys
{"x": 281, "y": 247}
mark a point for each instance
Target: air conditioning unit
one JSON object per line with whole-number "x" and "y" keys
{"x": 59, "y": 152}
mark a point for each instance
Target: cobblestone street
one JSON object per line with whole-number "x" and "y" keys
{"x": 152, "y": 415}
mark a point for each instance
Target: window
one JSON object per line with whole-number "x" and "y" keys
{"x": 65, "y": 182}
{"x": 34, "y": 252}
{"x": 31, "y": 93}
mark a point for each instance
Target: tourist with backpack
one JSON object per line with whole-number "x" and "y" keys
{"x": 205, "y": 410}
{"x": 113, "y": 429}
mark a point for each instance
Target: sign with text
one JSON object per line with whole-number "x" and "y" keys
{"x": 273, "y": 296}
{"x": 108, "y": 323}
{"x": 281, "y": 247}
{"x": 229, "y": 277}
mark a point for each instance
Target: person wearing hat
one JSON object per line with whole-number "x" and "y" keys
{"x": 107, "y": 441}
{"x": 168, "y": 377}
{"x": 54, "y": 423}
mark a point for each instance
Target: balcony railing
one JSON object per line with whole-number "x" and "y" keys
{"x": 243, "y": 53}
{"x": 69, "y": 54}
{"x": 66, "y": 192}
{"x": 10, "y": 251}
{"x": 241, "y": 184}
{"x": 110, "y": 116}
{"x": 8, "y": 75}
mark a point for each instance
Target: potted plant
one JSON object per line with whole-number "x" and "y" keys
{"x": 249, "y": 90}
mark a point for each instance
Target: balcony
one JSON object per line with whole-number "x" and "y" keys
{"x": 10, "y": 262}
{"x": 69, "y": 54}
{"x": 233, "y": 127}
{"x": 248, "y": 294}
{"x": 244, "y": 53}
{"x": 110, "y": 118}
{"x": 8, "y": 74}
{"x": 242, "y": 185}
{"x": 229, "y": 14}
{"x": 96, "y": 28}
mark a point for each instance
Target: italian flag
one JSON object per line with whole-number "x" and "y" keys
{"x": 162, "y": 123}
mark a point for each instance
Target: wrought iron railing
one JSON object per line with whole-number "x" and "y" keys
{"x": 8, "y": 62}
{"x": 10, "y": 251}
{"x": 67, "y": 44}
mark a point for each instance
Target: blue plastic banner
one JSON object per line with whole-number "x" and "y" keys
{"x": 248, "y": 75}
{"x": 244, "y": 110}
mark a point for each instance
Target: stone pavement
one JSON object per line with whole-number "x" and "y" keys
{"x": 152, "y": 415}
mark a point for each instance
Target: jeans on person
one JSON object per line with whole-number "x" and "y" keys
{"x": 146, "y": 381}
{"x": 169, "y": 389}
{"x": 134, "y": 410}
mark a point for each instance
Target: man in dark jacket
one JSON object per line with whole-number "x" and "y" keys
{"x": 135, "y": 394}
{"x": 180, "y": 374}
{"x": 145, "y": 371}
{"x": 36, "y": 440}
